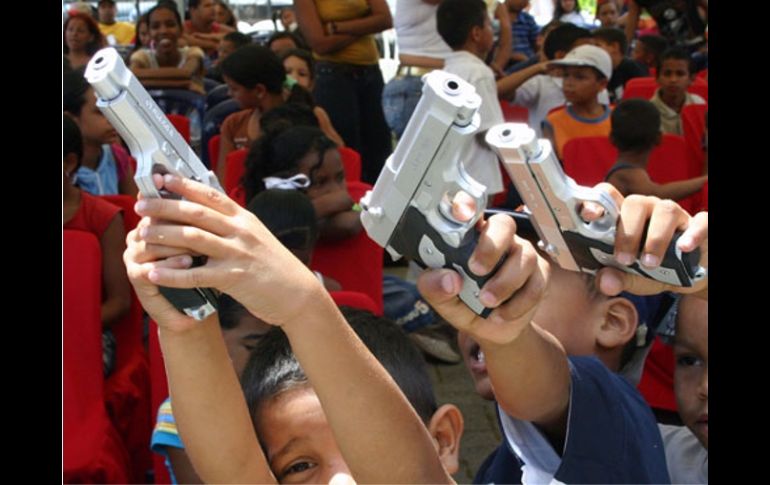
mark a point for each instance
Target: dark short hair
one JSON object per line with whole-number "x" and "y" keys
{"x": 456, "y": 18}
{"x": 286, "y": 35}
{"x": 239, "y": 39}
{"x": 562, "y": 38}
{"x": 74, "y": 88}
{"x": 273, "y": 367}
{"x": 289, "y": 215}
{"x": 230, "y": 311}
{"x": 678, "y": 54}
{"x": 612, "y": 36}
{"x": 635, "y": 126}
{"x": 253, "y": 64}
{"x": 654, "y": 44}
{"x": 72, "y": 138}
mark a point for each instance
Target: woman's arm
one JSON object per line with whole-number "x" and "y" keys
{"x": 377, "y": 20}
{"x": 117, "y": 293}
{"x": 310, "y": 24}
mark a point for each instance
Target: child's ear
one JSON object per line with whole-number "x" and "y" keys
{"x": 619, "y": 323}
{"x": 70, "y": 163}
{"x": 446, "y": 428}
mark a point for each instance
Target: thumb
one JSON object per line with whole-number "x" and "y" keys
{"x": 440, "y": 289}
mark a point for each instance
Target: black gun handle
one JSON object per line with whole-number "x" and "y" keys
{"x": 414, "y": 230}
{"x": 194, "y": 302}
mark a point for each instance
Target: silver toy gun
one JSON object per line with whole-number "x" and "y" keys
{"x": 157, "y": 147}
{"x": 554, "y": 201}
{"x": 409, "y": 210}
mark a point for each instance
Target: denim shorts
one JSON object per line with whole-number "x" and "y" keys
{"x": 399, "y": 99}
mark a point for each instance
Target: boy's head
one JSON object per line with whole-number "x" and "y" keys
{"x": 72, "y": 146}
{"x": 107, "y": 11}
{"x": 583, "y": 320}
{"x": 465, "y": 25}
{"x": 79, "y": 101}
{"x": 635, "y": 126}
{"x": 613, "y": 41}
{"x": 675, "y": 71}
{"x": 240, "y": 329}
{"x": 563, "y": 38}
{"x": 291, "y": 424}
{"x": 230, "y": 43}
{"x": 516, "y": 5}
{"x": 202, "y": 12}
{"x": 290, "y": 216}
{"x": 691, "y": 374}
{"x": 281, "y": 42}
{"x": 648, "y": 50}
{"x": 587, "y": 69}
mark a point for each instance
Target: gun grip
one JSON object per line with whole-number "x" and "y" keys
{"x": 197, "y": 303}
{"x": 417, "y": 239}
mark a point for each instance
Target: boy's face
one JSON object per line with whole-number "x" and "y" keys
{"x": 107, "y": 12}
{"x": 674, "y": 76}
{"x": 568, "y": 311}
{"x": 691, "y": 374}
{"x": 640, "y": 53}
{"x": 611, "y": 48}
{"x": 245, "y": 97}
{"x": 225, "y": 48}
{"x": 205, "y": 12}
{"x": 487, "y": 36}
{"x": 581, "y": 84}
{"x": 608, "y": 14}
{"x": 298, "y": 440}
{"x": 242, "y": 339}
{"x": 94, "y": 126}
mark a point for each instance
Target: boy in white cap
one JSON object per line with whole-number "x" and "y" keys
{"x": 587, "y": 69}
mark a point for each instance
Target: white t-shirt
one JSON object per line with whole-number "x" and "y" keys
{"x": 687, "y": 460}
{"x": 416, "y": 32}
{"x": 480, "y": 162}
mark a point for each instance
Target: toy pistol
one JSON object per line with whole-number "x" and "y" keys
{"x": 409, "y": 210}
{"x": 157, "y": 147}
{"x": 554, "y": 201}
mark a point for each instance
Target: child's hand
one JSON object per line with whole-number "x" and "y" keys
{"x": 523, "y": 275}
{"x": 664, "y": 218}
{"x": 244, "y": 259}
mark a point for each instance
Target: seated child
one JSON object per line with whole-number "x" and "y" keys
{"x": 290, "y": 216}
{"x": 587, "y": 69}
{"x": 303, "y": 158}
{"x": 84, "y": 212}
{"x": 674, "y": 76}
{"x": 635, "y": 133}
{"x": 105, "y": 167}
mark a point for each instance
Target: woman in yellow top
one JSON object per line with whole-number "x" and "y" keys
{"x": 348, "y": 80}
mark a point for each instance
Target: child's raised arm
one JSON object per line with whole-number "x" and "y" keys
{"x": 359, "y": 398}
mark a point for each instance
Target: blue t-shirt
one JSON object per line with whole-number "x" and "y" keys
{"x": 612, "y": 437}
{"x": 165, "y": 434}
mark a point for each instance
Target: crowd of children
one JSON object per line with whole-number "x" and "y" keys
{"x": 282, "y": 385}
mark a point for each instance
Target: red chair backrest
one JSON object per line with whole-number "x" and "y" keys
{"x": 214, "y": 152}
{"x": 514, "y": 113}
{"x": 351, "y": 160}
{"x": 235, "y": 167}
{"x": 644, "y": 87}
{"x": 355, "y": 299}
{"x": 704, "y": 74}
{"x": 588, "y": 159}
{"x": 355, "y": 262}
{"x": 182, "y": 125}
{"x": 693, "y": 127}
{"x": 657, "y": 382}
{"x": 669, "y": 163}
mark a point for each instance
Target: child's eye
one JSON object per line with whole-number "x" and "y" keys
{"x": 688, "y": 361}
{"x": 298, "y": 467}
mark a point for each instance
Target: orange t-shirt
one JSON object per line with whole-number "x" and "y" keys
{"x": 566, "y": 125}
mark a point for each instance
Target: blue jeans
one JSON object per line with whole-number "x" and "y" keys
{"x": 352, "y": 96}
{"x": 399, "y": 99}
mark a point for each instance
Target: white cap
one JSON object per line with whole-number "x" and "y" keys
{"x": 588, "y": 55}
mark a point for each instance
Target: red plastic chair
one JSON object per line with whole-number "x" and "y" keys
{"x": 351, "y": 160}
{"x": 669, "y": 163}
{"x": 693, "y": 127}
{"x": 182, "y": 125}
{"x": 355, "y": 299}
{"x": 588, "y": 159}
{"x": 704, "y": 197}
{"x": 704, "y": 74}
{"x": 158, "y": 394}
{"x": 214, "y": 152}
{"x": 644, "y": 87}
{"x": 657, "y": 382}
{"x": 93, "y": 451}
{"x": 235, "y": 167}
{"x": 127, "y": 390}
{"x": 355, "y": 262}
{"x": 514, "y": 113}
